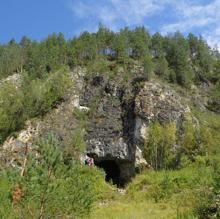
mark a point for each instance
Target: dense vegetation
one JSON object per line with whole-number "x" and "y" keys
{"x": 193, "y": 141}
{"x": 181, "y": 184}
{"x": 179, "y": 59}
{"x": 50, "y": 188}
{"x": 174, "y": 58}
{"x": 34, "y": 98}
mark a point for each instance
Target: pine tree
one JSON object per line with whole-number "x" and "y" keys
{"x": 148, "y": 67}
{"x": 140, "y": 42}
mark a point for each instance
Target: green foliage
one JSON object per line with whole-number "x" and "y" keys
{"x": 85, "y": 47}
{"x": 177, "y": 57}
{"x": 160, "y": 150}
{"x": 161, "y": 67}
{"x": 77, "y": 144}
{"x": 189, "y": 137}
{"x": 100, "y": 66}
{"x": 46, "y": 57}
{"x": 214, "y": 95}
{"x": 159, "y": 143}
{"x": 36, "y": 97}
{"x": 40, "y": 95}
{"x": 6, "y": 186}
{"x": 190, "y": 58}
{"x": 210, "y": 128}
{"x": 103, "y": 36}
{"x": 157, "y": 45}
{"x": 189, "y": 190}
{"x": 188, "y": 193}
{"x": 11, "y": 109}
{"x": 119, "y": 46}
{"x": 51, "y": 189}
{"x": 11, "y": 59}
{"x": 148, "y": 67}
{"x": 140, "y": 42}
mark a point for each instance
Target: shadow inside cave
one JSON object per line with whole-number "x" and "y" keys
{"x": 112, "y": 171}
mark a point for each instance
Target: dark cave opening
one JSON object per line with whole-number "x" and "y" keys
{"x": 112, "y": 171}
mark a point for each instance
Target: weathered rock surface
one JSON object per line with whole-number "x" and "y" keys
{"x": 119, "y": 115}
{"x": 157, "y": 102}
{"x": 59, "y": 121}
{"x": 109, "y": 134}
{"x": 15, "y": 79}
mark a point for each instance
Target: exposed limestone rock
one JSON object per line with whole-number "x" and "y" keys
{"x": 157, "y": 102}
{"x": 119, "y": 116}
{"x": 109, "y": 134}
{"x": 13, "y": 149}
{"x": 60, "y": 121}
{"x": 139, "y": 160}
{"x": 15, "y": 79}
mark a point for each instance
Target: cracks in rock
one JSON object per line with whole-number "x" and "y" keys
{"x": 114, "y": 119}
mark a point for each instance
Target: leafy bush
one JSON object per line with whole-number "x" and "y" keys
{"x": 158, "y": 148}
{"x": 190, "y": 190}
{"x": 189, "y": 138}
{"x": 51, "y": 189}
{"x": 35, "y": 98}
{"x": 40, "y": 95}
{"x": 77, "y": 144}
{"x": 11, "y": 109}
{"x": 148, "y": 67}
{"x": 6, "y": 187}
{"x": 159, "y": 145}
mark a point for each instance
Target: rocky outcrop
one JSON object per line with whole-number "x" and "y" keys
{"x": 120, "y": 116}
{"x": 120, "y": 112}
{"x": 157, "y": 102}
{"x": 16, "y": 79}
{"x": 109, "y": 133}
{"x": 59, "y": 121}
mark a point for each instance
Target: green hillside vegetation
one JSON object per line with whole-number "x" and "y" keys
{"x": 184, "y": 184}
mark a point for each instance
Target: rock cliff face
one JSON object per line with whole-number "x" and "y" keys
{"x": 157, "y": 102}
{"x": 110, "y": 129}
{"x": 60, "y": 121}
{"x": 119, "y": 115}
{"x": 119, "y": 119}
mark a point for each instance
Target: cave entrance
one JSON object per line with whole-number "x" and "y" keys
{"x": 112, "y": 171}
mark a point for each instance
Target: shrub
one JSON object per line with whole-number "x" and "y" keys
{"x": 148, "y": 67}
{"x": 11, "y": 109}
{"x": 49, "y": 188}
{"x": 189, "y": 138}
{"x": 158, "y": 148}
{"x": 40, "y": 95}
{"x": 77, "y": 144}
{"x": 6, "y": 186}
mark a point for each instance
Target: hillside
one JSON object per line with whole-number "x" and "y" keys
{"x": 144, "y": 107}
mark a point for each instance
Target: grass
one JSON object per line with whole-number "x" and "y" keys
{"x": 133, "y": 210}
{"x": 158, "y": 195}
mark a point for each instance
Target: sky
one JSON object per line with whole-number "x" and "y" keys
{"x": 38, "y": 18}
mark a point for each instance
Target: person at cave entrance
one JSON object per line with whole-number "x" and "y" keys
{"x": 89, "y": 161}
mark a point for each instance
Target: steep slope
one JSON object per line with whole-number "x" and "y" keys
{"x": 119, "y": 116}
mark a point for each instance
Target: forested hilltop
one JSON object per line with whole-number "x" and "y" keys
{"x": 145, "y": 107}
{"x": 178, "y": 59}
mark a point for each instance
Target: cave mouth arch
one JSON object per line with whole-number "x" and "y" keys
{"x": 112, "y": 171}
